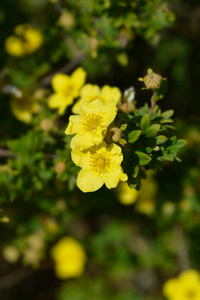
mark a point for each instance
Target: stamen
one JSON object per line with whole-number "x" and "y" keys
{"x": 100, "y": 163}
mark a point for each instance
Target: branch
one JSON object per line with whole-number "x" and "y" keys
{"x": 7, "y": 153}
{"x": 65, "y": 69}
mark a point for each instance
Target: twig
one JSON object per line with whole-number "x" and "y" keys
{"x": 7, "y": 153}
{"x": 65, "y": 69}
{"x": 14, "y": 278}
{"x": 183, "y": 257}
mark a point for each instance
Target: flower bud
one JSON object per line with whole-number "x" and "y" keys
{"x": 152, "y": 80}
{"x": 117, "y": 134}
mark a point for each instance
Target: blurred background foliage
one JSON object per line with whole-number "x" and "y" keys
{"x": 131, "y": 250}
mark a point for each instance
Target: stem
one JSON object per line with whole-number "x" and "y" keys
{"x": 152, "y": 107}
{"x": 153, "y": 102}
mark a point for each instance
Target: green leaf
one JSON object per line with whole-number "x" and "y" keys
{"x": 136, "y": 171}
{"x": 181, "y": 143}
{"x": 176, "y": 146}
{"x": 123, "y": 127}
{"x": 163, "y": 121}
{"x": 144, "y": 159}
{"x": 134, "y": 136}
{"x": 145, "y": 122}
{"x": 167, "y": 114}
{"x": 152, "y": 130}
{"x": 168, "y": 156}
{"x": 160, "y": 139}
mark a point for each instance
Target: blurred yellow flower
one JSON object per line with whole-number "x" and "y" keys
{"x": 91, "y": 92}
{"x": 100, "y": 164}
{"x": 23, "y": 108}
{"x": 148, "y": 191}
{"x": 11, "y": 254}
{"x": 66, "y": 89}
{"x": 26, "y": 40}
{"x": 91, "y": 126}
{"x": 69, "y": 257}
{"x": 126, "y": 195}
{"x": 185, "y": 287}
{"x": 66, "y": 19}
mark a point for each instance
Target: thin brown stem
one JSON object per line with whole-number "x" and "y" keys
{"x": 7, "y": 153}
{"x": 65, "y": 69}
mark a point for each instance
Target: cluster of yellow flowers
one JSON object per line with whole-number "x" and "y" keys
{"x": 69, "y": 257}
{"x": 25, "y": 41}
{"x": 185, "y": 287}
{"x": 94, "y": 112}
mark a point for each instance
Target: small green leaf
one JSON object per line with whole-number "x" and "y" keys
{"x": 145, "y": 122}
{"x": 123, "y": 127}
{"x": 167, "y": 114}
{"x": 122, "y": 142}
{"x": 181, "y": 143}
{"x": 144, "y": 159}
{"x": 160, "y": 139}
{"x": 163, "y": 121}
{"x": 178, "y": 159}
{"x": 168, "y": 156}
{"x": 136, "y": 171}
{"x": 152, "y": 130}
{"x": 134, "y": 136}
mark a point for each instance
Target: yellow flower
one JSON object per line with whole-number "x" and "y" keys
{"x": 26, "y": 40}
{"x": 66, "y": 89}
{"x": 90, "y": 92}
{"x": 126, "y": 195}
{"x": 185, "y": 287}
{"x": 100, "y": 164}
{"x": 91, "y": 126}
{"x": 69, "y": 257}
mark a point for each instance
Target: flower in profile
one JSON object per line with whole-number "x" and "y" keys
{"x": 91, "y": 125}
{"x": 185, "y": 287}
{"x": 69, "y": 257}
{"x": 25, "y": 41}
{"x": 126, "y": 195}
{"x": 66, "y": 89}
{"x": 100, "y": 164}
{"x": 91, "y": 92}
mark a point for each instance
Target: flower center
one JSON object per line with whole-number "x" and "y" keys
{"x": 99, "y": 163}
{"x": 91, "y": 122}
{"x": 69, "y": 90}
{"x": 190, "y": 294}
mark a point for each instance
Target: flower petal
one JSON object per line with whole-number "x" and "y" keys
{"x": 60, "y": 82}
{"x": 89, "y": 181}
{"x": 59, "y": 101}
{"x": 81, "y": 158}
{"x": 90, "y": 90}
{"x": 78, "y": 78}
{"x": 74, "y": 125}
{"x": 109, "y": 93}
{"x": 114, "y": 176}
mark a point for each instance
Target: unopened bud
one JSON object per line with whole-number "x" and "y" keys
{"x": 117, "y": 134}
{"x": 152, "y": 80}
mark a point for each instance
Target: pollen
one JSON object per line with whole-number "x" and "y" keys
{"x": 92, "y": 122}
{"x": 99, "y": 163}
